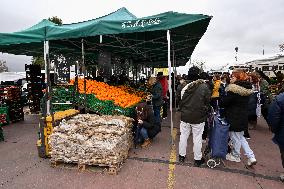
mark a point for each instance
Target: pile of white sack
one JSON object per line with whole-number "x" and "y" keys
{"x": 92, "y": 140}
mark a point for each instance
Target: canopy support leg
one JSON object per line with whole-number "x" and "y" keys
{"x": 84, "y": 73}
{"x": 170, "y": 85}
{"x": 47, "y": 77}
{"x": 174, "y": 80}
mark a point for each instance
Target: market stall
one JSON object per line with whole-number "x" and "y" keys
{"x": 161, "y": 40}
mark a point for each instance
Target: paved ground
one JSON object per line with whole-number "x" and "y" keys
{"x": 155, "y": 167}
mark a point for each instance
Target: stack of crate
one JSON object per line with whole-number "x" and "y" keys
{"x": 35, "y": 85}
{"x": 62, "y": 97}
{"x": 15, "y": 103}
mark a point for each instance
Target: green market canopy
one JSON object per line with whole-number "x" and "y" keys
{"x": 143, "y": 40}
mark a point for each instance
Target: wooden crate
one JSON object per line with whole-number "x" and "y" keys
{"x": 109, "y": 169}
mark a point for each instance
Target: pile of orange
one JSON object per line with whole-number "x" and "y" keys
{"x": 131, "y": 90}
{"x": 103, "y": 91}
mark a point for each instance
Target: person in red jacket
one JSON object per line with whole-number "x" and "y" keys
{"x": 165, "y": 86}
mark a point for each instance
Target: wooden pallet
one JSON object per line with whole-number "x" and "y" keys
{"x": 109, "y": 169}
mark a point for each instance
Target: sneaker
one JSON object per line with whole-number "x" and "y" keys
{"x": 282, "y": 177}
{"x": 181, "y": 159}
{"x": 251, "y": 162}
{"x": 198, "y": 163}
{"x": 247, "y": 138}
{"x": 230, "y": 157}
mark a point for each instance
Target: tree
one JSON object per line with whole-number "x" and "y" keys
{"x": 3, "y": 66}
{"x": 39, "y": 60}
{"x": 55, "y": 20}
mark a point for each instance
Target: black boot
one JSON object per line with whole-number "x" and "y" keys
{"x": 181, "y": 159}
{"x": 198, "y": 163}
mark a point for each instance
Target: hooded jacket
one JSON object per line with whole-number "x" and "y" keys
{"x": 195, "y": 100}
{"x": 236, "y": 105}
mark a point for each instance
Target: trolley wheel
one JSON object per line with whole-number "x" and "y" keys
{"x": 218, "y": 161}
{"x": 211, "y": 163}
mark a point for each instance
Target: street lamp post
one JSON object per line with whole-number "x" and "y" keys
{"x": 236, "y": 49}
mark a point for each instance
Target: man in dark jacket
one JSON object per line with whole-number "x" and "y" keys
{"x": 276, "y": 123}
{"x": 194, "y": 105}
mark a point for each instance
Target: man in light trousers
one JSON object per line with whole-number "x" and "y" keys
{"x": 194, "y": 106}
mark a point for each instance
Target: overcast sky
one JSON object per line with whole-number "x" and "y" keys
{"x": 247, "y": 24}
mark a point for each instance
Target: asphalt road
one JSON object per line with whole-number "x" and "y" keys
{"x": 155, "y": 167}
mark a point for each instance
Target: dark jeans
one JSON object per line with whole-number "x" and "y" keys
{"x": 144, "y": 133}
{"x": 157, "y": 113}
{"x": 282, "y": 156}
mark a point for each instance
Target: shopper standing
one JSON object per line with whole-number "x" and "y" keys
{"x": 182, "y": 84}
{"x": 265, "y": 93}
{"x": 215, "y": 93}
{"x": 276, "y": 123}
{"x": 194, "y": 105}
{"x": 157, "y": 98}
{"x": 235, "y": 105}
{"x": 165, "y": 86}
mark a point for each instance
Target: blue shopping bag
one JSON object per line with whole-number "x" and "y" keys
{"x": 219, "y": 137}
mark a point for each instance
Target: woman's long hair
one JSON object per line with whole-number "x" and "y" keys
{"x": 240, "y": 75}
{"x": 142, "y": 111}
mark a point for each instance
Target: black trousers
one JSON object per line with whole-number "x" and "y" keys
{"x": 165, "y": 108}
{"x": 205, "y": 131}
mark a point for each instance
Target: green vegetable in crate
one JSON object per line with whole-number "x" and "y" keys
{"x": 61, "y": 96}
{"x": 104, "y": 107}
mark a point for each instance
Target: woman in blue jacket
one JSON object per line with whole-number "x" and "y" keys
{"x": 276, "y": 123}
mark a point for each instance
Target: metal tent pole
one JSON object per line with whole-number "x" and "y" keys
{"x": 47, "y": 76}
{"x": 170, "y": 86}
{"x": 76, "y": 91}
{"x": 175, "y": 74}
{"x": 84, "y": 72}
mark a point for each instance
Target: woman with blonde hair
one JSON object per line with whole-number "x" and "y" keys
{"x": 157, "y": 98}
{"x": 215, "y": 93}
{"x": 235, "y": 105}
